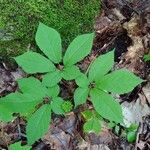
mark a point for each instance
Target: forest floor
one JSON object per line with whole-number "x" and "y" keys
{"x": 126, "y": 27}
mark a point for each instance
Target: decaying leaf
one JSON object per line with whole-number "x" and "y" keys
{"x": 134, "y": 111}
{"x": 62, "y": 133}
{"x": 146, "y": 92}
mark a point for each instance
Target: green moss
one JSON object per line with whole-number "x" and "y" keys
{"x": 20, "y": 19}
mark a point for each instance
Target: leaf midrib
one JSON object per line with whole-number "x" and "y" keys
{"x": 77, "y": 50}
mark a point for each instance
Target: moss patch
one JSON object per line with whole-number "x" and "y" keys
{"x": 20, "y": 19}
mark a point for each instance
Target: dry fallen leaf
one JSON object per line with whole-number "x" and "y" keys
{"x": 134, "y": 111}
{"x": 61, "y": 134}
{"x": 8, "y": 80}
{"x": 146, "y": 92}
{"x": 98, "y": 147}
{"x": 143, "y": 136}
{"x": 4, "y": 137}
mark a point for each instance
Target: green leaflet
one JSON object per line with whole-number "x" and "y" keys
{"x": 132, "y": 133}
{"x": 87, "y": 114}
{"x": 32, "y": 62}
{"x": 80, "y": 96}
{"x": 93, "y": 121}
{"x": 70, "y": 73}
{"x": 32, "y": 86}
{"x": 82, "y": 81}
{"x": 67, "y": 106}
{"x": 132, "y": 127}
{"x": 38, "y": 124}
{"x": 101, "y": 66}
{"x": 147, "y": 57}
{"x": 79, "y": 48}
{"x": 131, "y": 136}
{"x": 17, "y": 102}
{"x": 5, "y": 113}
{"x": 49, "y": 41}
{"x": 51, "y": 79}
{"x": 56, "y": 105}
{"x": 17, "y": 146}
{"x": 53, "y": 91}
{"x": 120, "y": 82}
{"x": 106, "y": 105}
{"x": 92, "y": 125}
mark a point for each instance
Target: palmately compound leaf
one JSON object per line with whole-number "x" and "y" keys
{"x": 92, "y": 125}
{"x": 17, "y": 146}
{"x": 70, "y": 73}
{"x": 56, "y": 105}
{"x": 106, "y": 105}
{"x": 53, "y": 91}
{"x": 18, "y": 102}
{"x": 32, "y": 86}
{"x": 82, "y": 81}
{"x": 120, "y": 81}
{"x": 51, "y": 79}
{"x": 32, "y": 62}
{"x": 79, "y": 48}
{"x": 38, "y": 124}
{"x": 49, "y": 41}
{"x": 101, "y": 66}
{"x": 80, "y": 96}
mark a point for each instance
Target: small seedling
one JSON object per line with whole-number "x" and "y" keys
{"x": 131, "y": 133}
{"x": 93, "y": 121}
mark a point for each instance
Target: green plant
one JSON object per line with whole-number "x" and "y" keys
{"x": 67, "y": 106}
{"x": 92, "y": 121}
{"x": 147, "y": 57}
{"x": 49, "y": 42}
{"x": 17, "y": 146}
{"x": 36, "y": 99}
{"x": 98, "y": 84}
{"x": 131, "y": 133}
